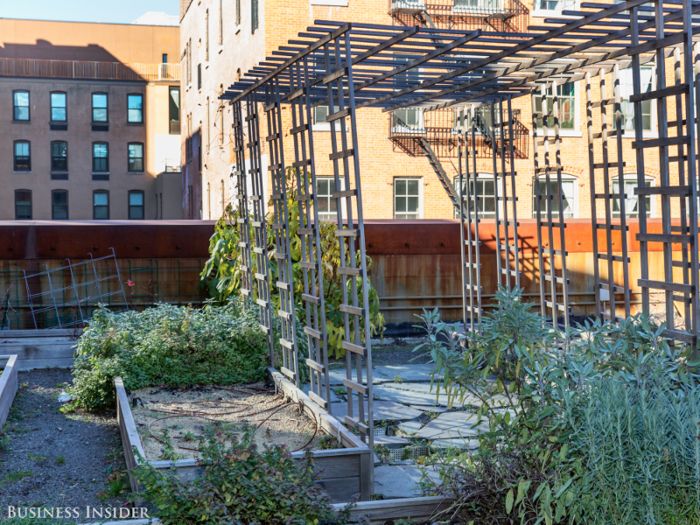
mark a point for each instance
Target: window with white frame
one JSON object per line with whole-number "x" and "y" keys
{"x": 569, "y": 191}
{"x": 627, "y": 90}
{"x": 407, "y": 120}
{"x": 545, "y": 7}
{"x": 327, "y": 205}
{"x": 629, "y": 183}
{"x": 408, "y": 198}
{"x": 482, "y": 193}
{"x": 566, "y": 99}
{"x": 478, "y": 6}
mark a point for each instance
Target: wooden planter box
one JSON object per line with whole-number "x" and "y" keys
{"x": 40, "y": 348}
{"x": 342, "y": 473}
{"x": 8, "y": 385}
{"x": 372, "y": 512}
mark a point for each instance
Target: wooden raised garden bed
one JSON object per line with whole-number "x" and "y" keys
{"x": 342, "y": 473}
{"x": 8, "y": 385}
{"x": 40, "y": 348}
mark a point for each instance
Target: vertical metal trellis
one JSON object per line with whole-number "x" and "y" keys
{"x": 551, "y": 305}
{"x": 309, "y": 233}
{"x": 241, "y": 197}
{"x": 351, "y": 233}
{"x": 258, "y": 223}
{"x": 677, "y": 137}
{"x": 469, "y": 218}
{"x": 280, "y": 225}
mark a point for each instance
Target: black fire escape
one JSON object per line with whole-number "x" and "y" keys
{"x": 433, "y": 134}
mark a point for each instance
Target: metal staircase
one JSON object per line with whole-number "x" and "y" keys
{"x": 439, "y": 170}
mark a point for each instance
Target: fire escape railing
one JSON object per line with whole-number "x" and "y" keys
{"x": 466, "y": 15}
{"x": 440, "y": 129}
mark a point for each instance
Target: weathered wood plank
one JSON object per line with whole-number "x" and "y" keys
{"x": 341, "y": 489}
{"x": 127, "y": 428}
{"x": 43, "y": 351}
{"x": 58, "y": 332}
{"x": 378, "y": 512}
{"x": 8, "y": 386}
{"x": 33, "y": 364}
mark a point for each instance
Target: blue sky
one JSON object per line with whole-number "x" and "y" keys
{"x": 115, "y": 11}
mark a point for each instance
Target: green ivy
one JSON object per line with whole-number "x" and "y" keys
{"x": 239, "y": 485}
{"x": 222, "y": 275}
{"x": 167, "y": 345}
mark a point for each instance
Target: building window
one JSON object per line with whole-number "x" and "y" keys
{"x": 407, "y": 120}
{"x": 478, "y": 6}
{"x": 23, "y": 205}
{"x": 566, "y": 98}
{"x": 136, "y": 210}
{"x": 174, "y": 110}
{"x": 134, "y": 109}
{"x": 208, "y": 137}
{"x": 23, "y": 159}
{"x": 99, "y": 107}
{"x": 407, "y": 198}
{"x": 482, "y": 193}
{"x": 569, "y": 193}
{"x": 254, "y": 14}
{"x": 136, "y": 157}
{"x": 199, "y": 76}
{"x": 59, "y": 205}
{"x": 631, "y": 200}
{"x": 626, "y": 91}
{"x": 221, "y": 22}
{"x": 58, "y": 107}
{"x": 20, "y": 106}
{"x": 238, "y": 12}
{"x": 327, "y": 205}
{"x": 100, "y": 157}
{"x": 553, "y": 6}
{"x": 100, "y": 205}
{"x": 206, "y": 36}
{"x": 59, "y": 156}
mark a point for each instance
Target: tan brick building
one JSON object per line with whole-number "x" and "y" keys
{"x": 222, "y": 38}
{"x": 90, "y": 120}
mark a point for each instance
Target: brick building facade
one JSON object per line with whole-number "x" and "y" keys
{"x": 220, "y": 39}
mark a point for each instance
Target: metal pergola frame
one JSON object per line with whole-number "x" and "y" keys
{"x": 349, "y": 66}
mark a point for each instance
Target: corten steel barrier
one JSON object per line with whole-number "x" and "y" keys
{"x": 349, "y": 66}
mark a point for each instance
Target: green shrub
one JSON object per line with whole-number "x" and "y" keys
{"x": 167, "y": 345}
{"x": 596, "y": 425}
{"x": 240, "y": 485}
{"x": 222, "y": 274}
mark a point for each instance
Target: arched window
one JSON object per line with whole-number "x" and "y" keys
{"x": 20, "y": 106}
{"x": 569, "y": 191}
{"x": 58, "y": 107}
{"x": 100, "y": 112}
{"x": 22, "y": 156}
{"x": 59, "y": 156}
{"x": 100, "y": 157}
{"x": 59, "y": 205}
{"x": 136, "y": 205}
{"x": 23, "y": 205}
{"x": 100, "y": 204}
{"x": 136, "y": 157}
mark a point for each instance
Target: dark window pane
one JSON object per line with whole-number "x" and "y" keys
{"x": 136, "y": 205}
{"x": 23, "y": 205}
{"x": 59, "y": 156}
{"x": 135, "y": 157}
{"x": 22, "y": 157}
{"x": 59, "y": 201}
{"x": 21, "y": 105}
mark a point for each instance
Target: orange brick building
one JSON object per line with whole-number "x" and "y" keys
{"x": 221, "y": 39}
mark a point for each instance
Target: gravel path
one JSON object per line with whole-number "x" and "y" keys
{"x": 56, "y": 460}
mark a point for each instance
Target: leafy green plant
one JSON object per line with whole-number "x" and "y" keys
{"x": 60, "y": 460}
{"x": 167, "y": 345}
{"x": 222, "y": 274}
{"x": 328, "y": 442}
{"x": 595, "y": 425}
{"x": 117, "y": 486}
{"x": 239, "y": 485}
